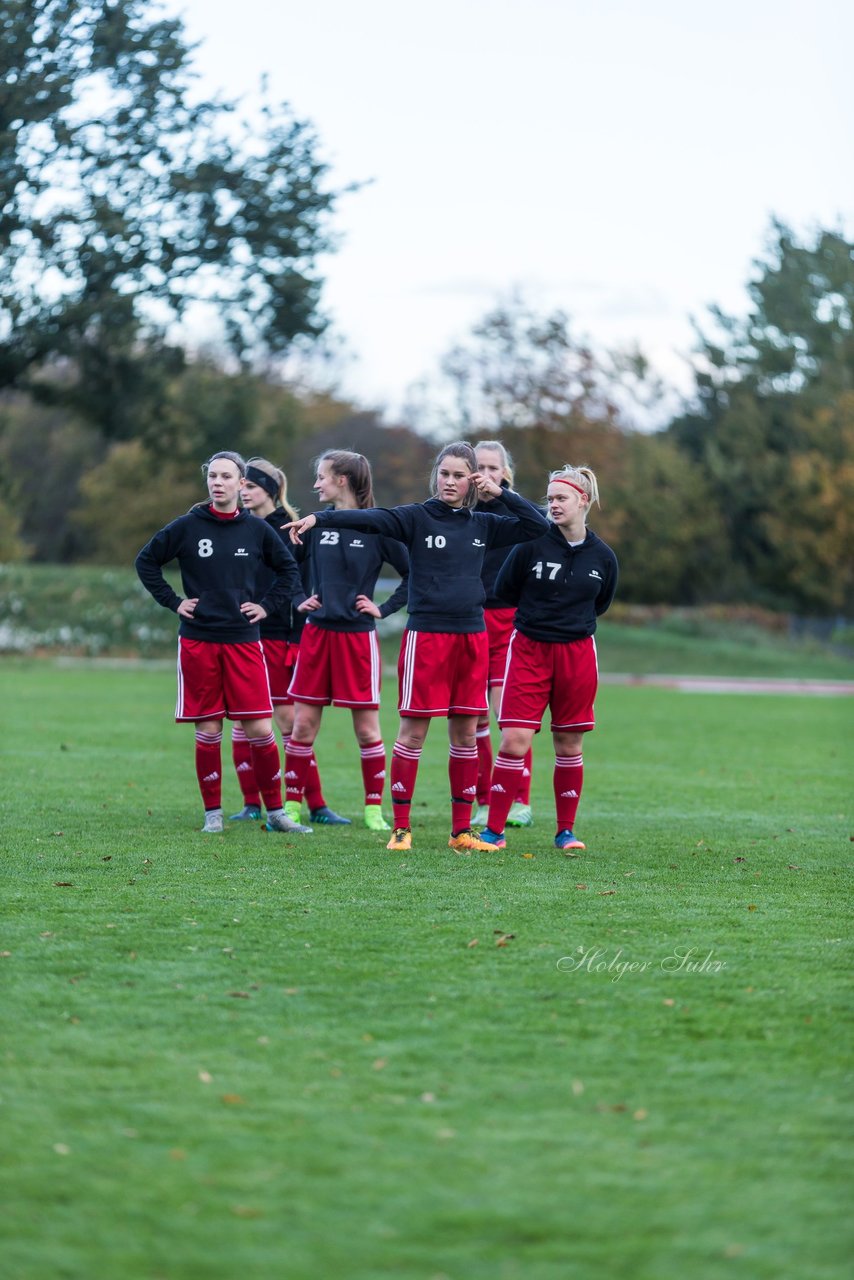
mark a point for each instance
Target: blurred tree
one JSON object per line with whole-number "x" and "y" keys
{"x": 660, "y": 514}
{"x": 520, "y": 369}
{"x": 771, "y": 425}
{"x": 125, "y": 202}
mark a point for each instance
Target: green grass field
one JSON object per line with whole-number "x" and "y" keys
{"x": 250, "y": 1056}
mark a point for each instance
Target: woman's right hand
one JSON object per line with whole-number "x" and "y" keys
{"x": 297, "y": 527}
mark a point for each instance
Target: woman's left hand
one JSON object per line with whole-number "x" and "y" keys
{"x": 486, "y": 488}
{"x": 364, "y": 604}
{"x": 253, "y": 612}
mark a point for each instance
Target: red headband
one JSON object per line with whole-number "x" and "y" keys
{"x": 576, "y": 487}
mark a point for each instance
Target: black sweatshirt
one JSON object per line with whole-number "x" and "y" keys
{"x": 558, "y": 590}
{"x": 224, "y": 563}
{"x": 281, "y": 624}
{"x": 343, "y": 564}
{"x": 495, "y": 556}
{"x": 446, "y": 550}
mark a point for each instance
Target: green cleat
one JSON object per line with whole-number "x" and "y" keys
{"x": 293, "y": 808}
{"x": 480, "y": 817}
{"x": 520, "y": 815}
{"x": 374, "y": 819}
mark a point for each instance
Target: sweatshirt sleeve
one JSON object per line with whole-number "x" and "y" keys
{"x": 287, "y": 584}
{"x": 609, "y": 587}
{"x": 526, "y": 522}
{"x": 511, "y": 576}
{"x": 390, "y": 521}
{"x": 398, "y": 557}
{"x": 157, "y": 552}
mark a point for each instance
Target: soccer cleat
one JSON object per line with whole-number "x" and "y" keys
{"x": 279, "y": 821}
{"x": 566, "y": 840}
{"x": 327, "y": 817}
{"x": 493, "y": 838}
{"x": 213, "y": 822}
{"x": 401, "y": 840}
{"x": 293, "y": 808}
{"x": 480, "y": 817}
{"x": 374, "y": 819}
{"x": 468, "y": 842}
{"x": 249, "y": 813}
{"x": 520, "y": 815}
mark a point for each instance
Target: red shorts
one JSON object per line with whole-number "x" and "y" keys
{"x": 563, "y": 677}
{"x": 281, "y": 658}
{"x": 499, "y": 626}
{"x": 443, "y": 674}
{"x": 216, "y": 680}
{"x": 338, "y": 667}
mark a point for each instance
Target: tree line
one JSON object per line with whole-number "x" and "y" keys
{"x": 129, "y": 205}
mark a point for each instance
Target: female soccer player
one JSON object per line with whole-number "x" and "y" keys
{"x": 443, "y": 662}
{"x": 560, "y": 584}
{"x": 493, "y": 460}
{"x": 339, "y": 654}
{"x": 226, "y": 558}
{"x": 264, "y": 493}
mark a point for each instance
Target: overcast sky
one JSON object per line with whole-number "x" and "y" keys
{"x": 618, "y": 159}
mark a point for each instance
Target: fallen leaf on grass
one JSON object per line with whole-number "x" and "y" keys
{"x": 107, "y": 858}
{"x": 63, "y": 884}
{"x": 379, "y": 1064}
{"x": 606, "y": 893}
{"x": 4, "y": 955}
{"x": 570, "y": 853}
{"x": 239, "y": 995}
{"x": 472, "y": 943}
{"x": 503, "y": 938}
{"x": 206, "y": 1077}
{"x": 529, "y": 855}
{"x": 739, "y": 859}
{"x": 581, "y": 886}
{"x": 751, "y": 906}
{"x": 793, "y": 866}
{"x": 57, "y": 833}
{"x": 428, "y": 1097}
{"x": 177, "y": 1153}
{"x": 670, "y": 1003}
{"x": 246, "y": 1211}
{"x": 232, "y": 1099}
{"x": 577, "y": 1088}
{"x": 61, "y": 1149}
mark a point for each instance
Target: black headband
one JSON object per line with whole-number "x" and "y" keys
{"x": 261, "y": 478}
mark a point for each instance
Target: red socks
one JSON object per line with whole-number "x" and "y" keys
{"x": 209, "y": 768}
{"x": 484, "y": 763}
{"x": 506, "y": 780}
{"x": 268, "y": 770}
{"x": 404, "y": 770}
{"x": 373, "y": 771}
{"x": 241, "y": 754}
{"x": 462, "y": 772}
{"x": 568, "y": 777}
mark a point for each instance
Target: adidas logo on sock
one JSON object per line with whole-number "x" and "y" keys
{"x": 496, "y": 786}
{"x": 244, "y": 768}
{"x": 469, "y": 791}
{"x": 572, "y": 795}
{"x": 373, "y": 796}
{"x": 381, "y": 774}
{"x": 212, "y": 777}
{"x": 290, "y": 775}
{"x": 398, "y": 786}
